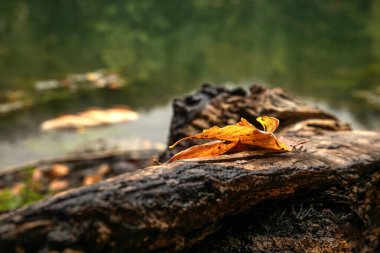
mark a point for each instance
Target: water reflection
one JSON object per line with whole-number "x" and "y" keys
{"x": 321, "y": 50}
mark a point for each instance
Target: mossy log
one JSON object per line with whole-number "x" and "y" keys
{"x": 322, "y": 197}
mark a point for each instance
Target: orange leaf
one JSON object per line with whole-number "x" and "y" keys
{"x": 242, "y": 136}
{"x": 90, "y": 118}
{"x": 207, "y": 149}
{"x": 245, "y": 133}
{"x": 270, "y": 124}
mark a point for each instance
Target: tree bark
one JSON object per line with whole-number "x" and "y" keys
{"x": 323, "y": 197}
{"x": 218, "y": 106}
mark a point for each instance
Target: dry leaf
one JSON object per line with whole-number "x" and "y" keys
{"x": 17, "y": 188}
{"x": 69, "y": 250}
{"x": 37, "y": 175}
{"x": 58, "y": 170}
{"x": 103, "y": 169}
{"x": 207, "y": 149}
{"x": 245, "y": 133}
{"x": 239, "y": 137}
{"x": 269, "y": 124}
{"x": 58, "y": 184}
{"x": 88, "y": 180}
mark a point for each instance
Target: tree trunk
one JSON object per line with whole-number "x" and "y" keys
{"x": 323, "y": 197}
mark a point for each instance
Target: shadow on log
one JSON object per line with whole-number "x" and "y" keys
{"x": 323, "y": 197}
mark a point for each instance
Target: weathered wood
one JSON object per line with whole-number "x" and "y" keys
{"x": 324, "y": 197}
{"x": 218, "y": 106}
{"x": 174, "y": 206}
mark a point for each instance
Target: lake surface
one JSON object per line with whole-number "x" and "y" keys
{"x": 326, "y": 52}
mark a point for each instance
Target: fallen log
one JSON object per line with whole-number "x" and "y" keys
{"x": 324, "y": 197}
{"x": 218, "y": 106}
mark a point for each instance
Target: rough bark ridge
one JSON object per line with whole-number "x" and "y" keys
{"x": 324, "y": 197}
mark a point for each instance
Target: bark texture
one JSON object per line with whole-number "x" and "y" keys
{"x": 323, "y": 197}
{"x": 218, "y": 106}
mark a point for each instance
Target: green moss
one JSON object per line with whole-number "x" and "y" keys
{"x": 29, "y": 192}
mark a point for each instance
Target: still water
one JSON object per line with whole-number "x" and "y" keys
{"x": 326, "y": 52}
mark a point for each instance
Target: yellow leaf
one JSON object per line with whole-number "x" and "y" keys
{"x": 270, "y": 124}
{"x": 243, "y": 134}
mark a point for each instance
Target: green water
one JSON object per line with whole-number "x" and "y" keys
{"x": 322, "y": 51}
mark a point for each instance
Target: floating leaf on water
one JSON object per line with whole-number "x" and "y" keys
{"x": 91, "y": 118}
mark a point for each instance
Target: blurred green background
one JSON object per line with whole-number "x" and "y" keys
{"x": 325, "y": 51}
